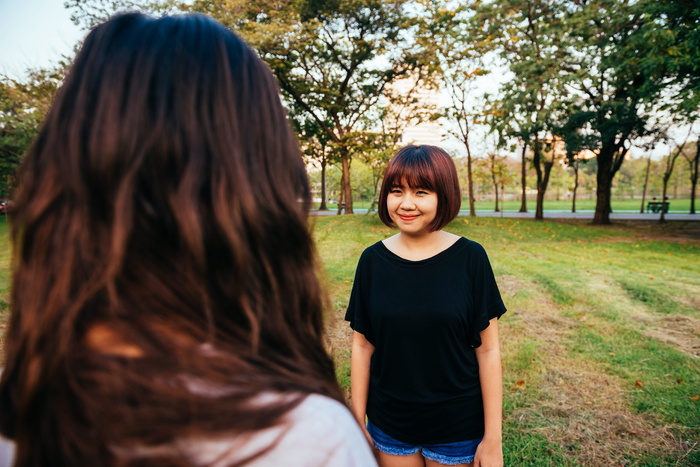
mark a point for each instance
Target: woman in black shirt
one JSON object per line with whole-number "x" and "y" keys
{"x": 426, "y": 365}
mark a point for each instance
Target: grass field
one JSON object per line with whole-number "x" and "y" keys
{"x": 4, "y": 280}
{"x": 601, "y": 341}
{"x": 4, "y": 266}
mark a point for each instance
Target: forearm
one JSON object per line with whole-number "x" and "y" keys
{"x": 489, "y": 453}
{"x": 362, "y": 352}
{"x": 490, "y": 374}
{"x": 491, "y": 377}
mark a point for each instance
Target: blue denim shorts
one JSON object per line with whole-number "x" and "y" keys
{"x": 461, "y": 452}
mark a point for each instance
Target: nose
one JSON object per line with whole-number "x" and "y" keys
{"x": 407, "y": 203}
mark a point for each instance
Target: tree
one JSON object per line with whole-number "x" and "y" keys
{"x": 669, "y": 164}
{"x": 23, "y": 107}
{"x": 693, "y": 163}
{"x": 646, "y": 183}
{"x": 90, "y": 13}
{"x": 523, "y": 178}
{"x": 675, "y": 25}
{"x": 613, "y": 39}
{"x": 316, "y": 149}
{"x": 334, "y": 60}
{"x": 672, "y": 27}
{"x": 464, "y": 114}
{"x": 573, "y": 162}
{"x": 528, "y": 36}
{"x": 460, "y": 58}
{"x": 500, "y": 175}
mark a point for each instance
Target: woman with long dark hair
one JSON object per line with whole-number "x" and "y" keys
{"x": 165, "y": 304}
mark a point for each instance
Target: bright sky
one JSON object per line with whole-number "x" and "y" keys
{"x": 33, "y": 34}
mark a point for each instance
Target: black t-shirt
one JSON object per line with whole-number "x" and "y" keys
{"x": 424, "y": 319}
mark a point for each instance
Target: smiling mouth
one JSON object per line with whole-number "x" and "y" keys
{"x": 407, "y": 218}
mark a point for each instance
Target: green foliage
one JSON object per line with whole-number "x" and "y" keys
{"x": 23, "y": 107}
{"x": 675, "y": 37}
{"x": 618, "y": 93}
{"x": 334, "y": 62}
{"x": 90, "y": 13}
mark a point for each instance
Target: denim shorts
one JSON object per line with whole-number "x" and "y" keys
{"x": 461, "y": 452}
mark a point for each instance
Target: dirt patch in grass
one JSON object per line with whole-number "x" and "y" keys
{"x": 588, "y": 418}
{"x": 679, "y": 331}
{"x": 338, "y": 332}
{"x": 579, "y": 407}
{"x": 682, "y": 332}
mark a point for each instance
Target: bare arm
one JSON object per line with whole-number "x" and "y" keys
{"x": 490, "y": 451}
{"x": 362, "y": 352}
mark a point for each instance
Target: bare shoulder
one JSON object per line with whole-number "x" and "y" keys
{"x": 392, "y": 242}
{"x": 449, "y": 238}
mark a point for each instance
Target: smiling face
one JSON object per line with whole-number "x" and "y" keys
{"x": 412, "y": 209}
{"x": 420, "y": 189}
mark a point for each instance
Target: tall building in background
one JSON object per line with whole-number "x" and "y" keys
{"x": 420, "y": 132}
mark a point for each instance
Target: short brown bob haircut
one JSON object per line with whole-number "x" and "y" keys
{"x": 426, "y": 167}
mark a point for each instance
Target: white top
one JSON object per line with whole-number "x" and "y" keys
{"x": 320, "y": 432}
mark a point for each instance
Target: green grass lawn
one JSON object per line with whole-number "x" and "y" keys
{"x": 601, "y": 341}
{"x": 4, "y": 267}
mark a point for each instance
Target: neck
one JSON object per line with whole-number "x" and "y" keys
{"x": 420, "y": 241}
{"x": 418, "y": 247}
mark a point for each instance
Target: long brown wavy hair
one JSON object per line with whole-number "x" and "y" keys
{"x": 164, "y": 272}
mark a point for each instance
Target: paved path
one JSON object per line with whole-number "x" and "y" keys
{"x": 558, "y": 215}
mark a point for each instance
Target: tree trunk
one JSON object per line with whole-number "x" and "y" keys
{"x": 542, "y": 179}
{"x": 523, "y": 179}
{"x": 539, "y": 207}
{"x": 670, "y": 163}
{"x": 694, "y": 176}
{"x": 646, "y": 184}
{"x": 323, "y": 206}
{"x": 573, "y": 195}
{"x": 470, "y": 180}
{"x": 495, "y": 185}
{"x": 602, "y": 206}
{"x": 375, "y": 189}
{"x": 662, "y": 216}
{"x": 341, "y": 195}
{"x": 346, "y": 187}
{"x": 604, "y": 179}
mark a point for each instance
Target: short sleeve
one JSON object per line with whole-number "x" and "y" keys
{"x": 358, "y": 310}
{"x": 486, "y": 298}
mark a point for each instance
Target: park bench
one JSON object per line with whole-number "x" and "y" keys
{"x": 656, "y": 206}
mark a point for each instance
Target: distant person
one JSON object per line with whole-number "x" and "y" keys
{"x": 165, "y": 303}
{"x": 426, "y": 365}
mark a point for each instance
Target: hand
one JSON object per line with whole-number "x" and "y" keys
{"x": 362, "y": 421}
{"x": 369, "y": 438}
{"x": 489, "y": 453}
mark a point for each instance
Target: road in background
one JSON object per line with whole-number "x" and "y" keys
{"x": 557, "y": 215}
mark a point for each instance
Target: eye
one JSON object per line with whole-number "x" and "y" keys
{"x": 422, "y": 192}
{"x": 395, "y": 191}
